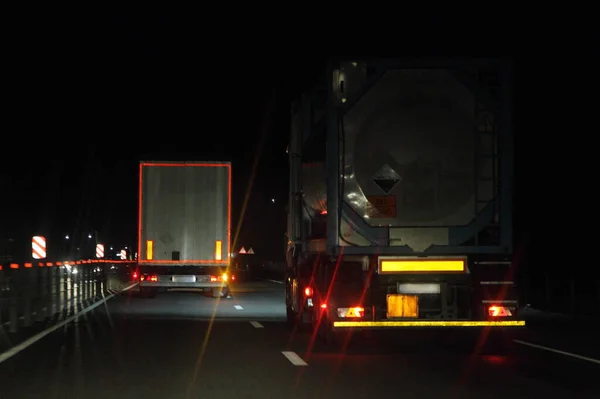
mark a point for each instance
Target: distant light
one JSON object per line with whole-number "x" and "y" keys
{"x": 111, "y": 248}
{"x": 67, "y": 237}
{"x": 273, "y": 200}
{"x": 89, "y": 236}
{"x": 126, "y": 248}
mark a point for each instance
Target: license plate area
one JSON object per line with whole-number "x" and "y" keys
{"x": 402, "y": 306}
{"x": 183, "y": 279}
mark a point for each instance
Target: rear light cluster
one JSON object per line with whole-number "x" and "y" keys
{"x": 352, "y": 312}
{"x": 144, "y": 277}
{"x": 499, "y": 311}
{"x": 308, "y": 292}
{"x": 222, "y": 278}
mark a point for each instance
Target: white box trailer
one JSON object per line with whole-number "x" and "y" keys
{"x": 184, "y": 226}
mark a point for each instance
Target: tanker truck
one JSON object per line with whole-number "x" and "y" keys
{"x": 400, "y": 198}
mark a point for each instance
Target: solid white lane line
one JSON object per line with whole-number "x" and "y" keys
{"x": 545, "y": 348}
{"x": 294, "y": 358}
{"x": 256, "y": 324}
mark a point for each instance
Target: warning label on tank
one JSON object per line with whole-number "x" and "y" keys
{"x": 386, "y": 178}
{"x": 381, "y": 207}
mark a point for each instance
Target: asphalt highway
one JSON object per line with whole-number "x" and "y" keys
{"x": 186, "y": 345}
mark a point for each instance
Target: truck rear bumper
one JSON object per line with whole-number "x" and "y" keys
{"x": 170, "y": 284}
{"x": 427, "y": 324}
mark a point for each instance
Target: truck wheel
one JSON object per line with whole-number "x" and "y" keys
{"x": 331, "y": 339}
{"x": 326, "y": 334}
{"x": 291, "y": 317}
{"x": 218, "y": 293}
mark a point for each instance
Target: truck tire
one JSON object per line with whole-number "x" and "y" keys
{"x": 291, "y": 317}
{"x": 218, "y": 293}
{"x": 327, "y": 336}
{"x": 295, "y": 320}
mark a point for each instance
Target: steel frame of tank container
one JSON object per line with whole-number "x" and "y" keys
{"x": 378, "y": 235}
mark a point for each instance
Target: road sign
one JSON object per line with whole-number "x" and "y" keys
{"x": 486, "y": 122}
{"x": 38, "y": 247}
{"x": 99, "y": 251}
{"x": 250, "y": 251}
{"x": 242, "y": 250}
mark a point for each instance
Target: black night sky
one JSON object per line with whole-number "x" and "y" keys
{"x": 91, "y": 102}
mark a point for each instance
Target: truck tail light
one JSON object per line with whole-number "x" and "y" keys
{"x": 223, "y": 277}
{"x": 353, "y": 312}
{"x": 149, "y": 278}
{"x": 499, "y": 311}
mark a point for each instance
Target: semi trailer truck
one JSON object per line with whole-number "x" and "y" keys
{"x": 400, "y": 198}
{"x": 184, "y": 231}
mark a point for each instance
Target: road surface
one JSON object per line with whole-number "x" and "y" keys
{"x": 185, "y": 345}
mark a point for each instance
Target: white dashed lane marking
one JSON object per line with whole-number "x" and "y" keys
{"x": 294, "y": 358}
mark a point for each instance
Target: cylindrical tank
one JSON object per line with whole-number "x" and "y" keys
{"x": 408, "y": 153}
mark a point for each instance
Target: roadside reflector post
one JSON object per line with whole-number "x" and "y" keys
{"x": 38, "y": 247}
{"x": 99, "y": 251}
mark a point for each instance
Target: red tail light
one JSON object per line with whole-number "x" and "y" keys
{"x": 134, "y": 275}
{"x": 149, "y": 278}
{"x": 223, "y": 277}
{"x": 354, "y": 312}
{"x": 308, "y": 291}
{"x": 499, "y": 311}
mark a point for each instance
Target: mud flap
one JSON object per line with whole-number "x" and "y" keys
{"x": 221, "y": 293}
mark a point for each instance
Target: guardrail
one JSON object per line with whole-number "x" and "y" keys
{"x": 568, "y": 294}
{"x": 35, "y": 291}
